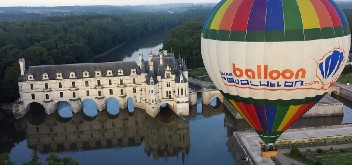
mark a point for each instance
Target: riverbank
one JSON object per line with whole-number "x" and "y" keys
{"x": 250, "y": 141}
{"x": 111, "y": 50}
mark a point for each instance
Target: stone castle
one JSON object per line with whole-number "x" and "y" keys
{"x": 162, "y": 79}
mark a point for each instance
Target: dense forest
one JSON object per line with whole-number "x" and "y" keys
{"x": 184, "y": 40}
{"x": 74, "y": 39}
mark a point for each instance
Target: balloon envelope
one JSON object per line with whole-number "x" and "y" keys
{"x": 275, "y": 59}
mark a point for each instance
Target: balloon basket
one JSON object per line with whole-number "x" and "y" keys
{"x": 269, "y": 151}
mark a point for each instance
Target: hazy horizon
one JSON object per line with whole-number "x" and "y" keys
{"x": 54, "y": 3}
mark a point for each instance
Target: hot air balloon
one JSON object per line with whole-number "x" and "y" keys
{"x": 275, "y": 59}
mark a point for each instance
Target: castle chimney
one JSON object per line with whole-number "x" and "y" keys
{"x": 22, "y": 63}
{"x": 161, "y": 59}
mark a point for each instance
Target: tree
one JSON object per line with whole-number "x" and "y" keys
{"x": 5, "y": 159}
{"x": 53, "y": 159}
{"x": 295, "y": 153}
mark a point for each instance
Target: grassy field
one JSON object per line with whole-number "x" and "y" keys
{"x": 345, "y": 78}
{"x": 332, "y": 158}
{"x": 200, "y": 74}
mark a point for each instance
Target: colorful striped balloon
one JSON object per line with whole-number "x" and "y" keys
{"x": 275, "y": 59}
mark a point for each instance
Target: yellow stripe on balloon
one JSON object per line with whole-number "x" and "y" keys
{"x": 233, "y": 103}
{"x": 215, "y": 25}
{"x": 309, "y": 16}
{"x": 290, "y": 113}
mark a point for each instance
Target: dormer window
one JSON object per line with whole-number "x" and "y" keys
{"x": 133, "y": 71}
{"x": 85, "y": 74}
{"x": 151, "y": 82}
{"x": 72, "y": 75}
{"x": 30, "y": 77}
{"x": 98, "y": 73}
{"x": 109, "y": 73}
{"x": 120, "y": 72}
{"x": 45, "y": 76}
{"x": 58, "y": 75}
{"x": 168, "y": 75}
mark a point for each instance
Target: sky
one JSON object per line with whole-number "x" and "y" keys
{"x": 11, "y": 3}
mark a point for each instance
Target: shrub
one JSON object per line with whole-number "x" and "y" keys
{"x": 295, "y": 153}
{"x": 319, "y": 151}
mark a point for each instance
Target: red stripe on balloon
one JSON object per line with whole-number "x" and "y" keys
{"x": 333, "y": 13}
{"x": 301, "y": 111}
{"x": 251, "y": 110}
{"x": 242, "y": 108}
{"x": 240, "y": 22}
{"x": 227, "y": 20}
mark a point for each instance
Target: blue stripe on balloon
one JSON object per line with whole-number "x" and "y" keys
{"x": 270, "y": 117}
{"x": 341, "y": 58}
{"x": 256, "y": 20}
{"x": 260, "y": 110}
{"x": 321, "y": 68}
{"x": 334, "y": 60}
{"x": 274, "y": 15}
{"x": 327, "y": 66}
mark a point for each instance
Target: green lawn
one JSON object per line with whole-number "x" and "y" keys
{"x": 200, "y": 74}
{"x": 332, "y": 158}
{"x": 345, "y": 78}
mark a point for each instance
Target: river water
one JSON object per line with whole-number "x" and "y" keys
{"x": 131, "y": 136}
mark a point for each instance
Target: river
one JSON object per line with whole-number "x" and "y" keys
{"x": 131, "y": 137}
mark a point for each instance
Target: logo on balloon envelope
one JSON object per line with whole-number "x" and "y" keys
{"x": 265, "y": 77}
{"x": 329, "y": 67}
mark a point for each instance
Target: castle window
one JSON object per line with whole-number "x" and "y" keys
{"x": 46, "y": 86}
{"x": 73, "y": 84}
{"x": 121, "y": 81}
{"x": 33, "y": 96}
{"x": 151, "y": 82}
{"x": 111, "y": 91}
{"x": 60, "y": 85}
{"x": 74, "y": 94}
{"x": 58, "y": 75}
{"x": 120, "y": 72}
{"x": 98, "y": 83}
{"x": 85, "y": 74}
{"x": 87, "y": 93}
{"x": 99, "y": 93}
{"x": 87, "y": 84}
{"x": 47, "y": 96}
{"x": 72, "y": 75}
{"x": 45, "y": 76}
{"x": 133, "y": 71}
{"x": 181, "y": 91}
{"x": 121, "y": 91}
{"x": 134, "y": 80}
{"x": 168, "y": 84}
{"x": 110, "y": 82}
{"x": 168, "y": 75}
{"x": 32, "y": 87}
{"x": 98, "y": 73}
{"x": 30, "y": 77}
{"x": 109, "y": 73}
{"x": 134, "y": 90}
{"x": 61, "y": 94}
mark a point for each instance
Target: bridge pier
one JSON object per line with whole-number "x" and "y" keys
{"x": 101, "y": 104}
{"x": 50, "y": 107}
{"x": 76, "y": 106}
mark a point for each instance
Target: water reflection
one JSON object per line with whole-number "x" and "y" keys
{"x": 197, "y": 139}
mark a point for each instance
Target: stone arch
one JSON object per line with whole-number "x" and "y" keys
{"x": 35, "y": 113}
{"x": 215, "y": 102}
{"x": 112, "y": 106}
{"x": 130, "y": 104}
{"x": 35, "y": 107}
{"x": 64, "y": 109}
{"x": 90, "y": 108}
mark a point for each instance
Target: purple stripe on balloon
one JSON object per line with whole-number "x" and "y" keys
{"x": 257, "y": 16}
{"x": 261, "y": 115}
